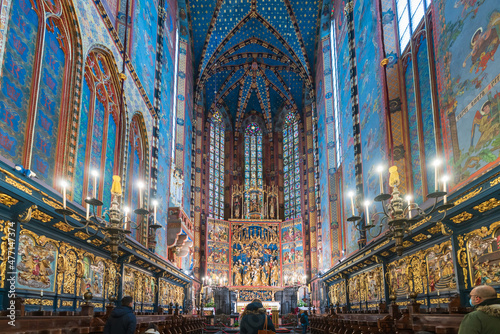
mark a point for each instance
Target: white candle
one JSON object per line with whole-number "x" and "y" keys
{"x": 380, "y": 170}
{"x": 87, "y": 214}
{"x": 155, "y": 203}
{"x": 64, "y": 194}
{"x": 436, "y": 163}
{"x": 95, "y": 174}
{"x": 438, "y": 292}
{"x": 351, "y": 195}
{"x": 41, "y": 293}
{"x": 140, "y": 185}
{"x": 125, "y": 211}
{"x": 367, "y": 206}
{"x": 445, "y": 179}
{"x": 408, "y": 199}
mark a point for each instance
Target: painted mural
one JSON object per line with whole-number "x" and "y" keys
{"x": 255, "y": 250}
{"x": 145, "y": 24}
{"x": 36, "y": 264}
{"x": 440, "y": 268}
{"x": 348, "y": 177}
{"x": 466, "y": 38}
{"x": 370, "y": 97}
{"x": 217, "y": 251}
{"x": 165, "y": 136}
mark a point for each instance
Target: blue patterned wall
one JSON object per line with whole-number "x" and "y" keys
{"x": 145, "y": 23}
{"x": 165, "y": 125}
{"x": 371, "y": 111}
{"x": 16, "y": 79}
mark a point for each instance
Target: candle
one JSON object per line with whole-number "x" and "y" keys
{"x": 438, "y": 292}
{"x": 445, "y": 180}
{"x": 155, "y": 203}
{"x": 64, "y": 185}
{"x": 436, "y": 164}
{"x": 41, "y": 293}
{"x": 380, "y": 170}
{"x": 408, "y": 199}
{"x": 87, "y": 214}
{"x": 367, "y": 207}
{"x": 125, "y": 218}
{"x": 95, "y": 174}
{"x": 351, "y": 195}
{"x": 140, "y": 185}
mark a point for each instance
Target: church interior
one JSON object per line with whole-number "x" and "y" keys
{"x": 197, "y": 155}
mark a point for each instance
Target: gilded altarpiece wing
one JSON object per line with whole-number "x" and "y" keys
{"x": 366, "y": 286}
{"x": 170, "y": 293}
{"x": 337, "y": 293}
{"x": 483, "y": 255}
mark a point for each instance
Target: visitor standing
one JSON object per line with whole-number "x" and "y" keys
{"x": 254, "y": 318}
{"x": 122, "y": 319}
{"x": 485, "y": 319}
{"x": 304, "y": 321}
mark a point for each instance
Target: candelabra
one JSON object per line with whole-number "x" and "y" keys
{"x": 114, "y": 223}
{"x": 396, "y": 214}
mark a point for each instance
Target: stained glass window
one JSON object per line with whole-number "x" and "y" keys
{"x": 291, "y": 167}
{"x": 216, "y": 174}
{"x": 336, "y": 93}
{"x": 253, "y": 160}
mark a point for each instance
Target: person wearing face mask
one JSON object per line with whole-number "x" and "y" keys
{"x": 485, "y": 319}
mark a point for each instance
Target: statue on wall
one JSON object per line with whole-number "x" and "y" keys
{"x": 176, "y": 186}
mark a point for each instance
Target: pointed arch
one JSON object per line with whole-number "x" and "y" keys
{"x": 101, "y": 125}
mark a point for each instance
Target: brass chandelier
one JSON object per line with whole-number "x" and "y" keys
{"x": 399, "y": 214}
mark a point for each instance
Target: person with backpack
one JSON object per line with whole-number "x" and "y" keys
{"x": 304, "y": 321}
{"x": 122, "y": 319}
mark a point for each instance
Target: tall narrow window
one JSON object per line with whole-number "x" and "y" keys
{"x": 291, "y": 167}
{"x": 136, "y": 170}
{"x": 253, "y": 167}
{"x": 336, "y": 93}
{"x": 97, "y": 131}
{"x": 410, "y": 13}
{"x": 216, "y": 176}
{"x": 38, "y": 67}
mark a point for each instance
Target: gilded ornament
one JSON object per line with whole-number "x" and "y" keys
{"x": 41, "y": 216}
{"x": 468, "y": 196}
{"x": 82, "y": 235}
{"x": 96, "y": 242}
{"x": 36, "y": 301}
{"x": 464, "y": 216}
{"x": 18, "y": 185}
{"x": 488, "y": 205}
{"x": 420, "y": 222}
{"x": 51, "y": 203}
{"x": 495, "y": 182}
{"x": 4, "y": 247}
{"x": 385, "y": 253}
{"x": 63, "y": 227}
{"x": 382, "y": 244}
{"x": 420, "y": 237}
{"x": 8, "y": 200}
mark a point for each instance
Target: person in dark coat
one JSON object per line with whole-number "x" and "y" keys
{"x": 304, "y": 321}
{"x": 122, "y": 319}
{"x": 253, "y": 318}
{"x": 486, "y": 317}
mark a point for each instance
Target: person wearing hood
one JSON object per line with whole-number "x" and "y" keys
{"x": 122, "y": 319}
{"x": 254, "y": 317}
{"x": 485, "y": 319}
{"x": 152, "y": 329}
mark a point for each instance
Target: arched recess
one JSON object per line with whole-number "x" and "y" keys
{"x": 39, "y": 74}
{"x": 137, "y": 170}
{"x": 100, "y": 128}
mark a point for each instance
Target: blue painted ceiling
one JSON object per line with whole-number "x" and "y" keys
{"x": 253, "y": 55}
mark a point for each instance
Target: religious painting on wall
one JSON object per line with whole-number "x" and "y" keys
{"x": 292, "y": 251}
{"x": 255, "y": 254}
{"x": 216, "y": 272}
{"x": 128, "y": 282}
{"x": 218, "y": 231}
{"x": 440, "y": 268}
{"x": 483, "y": 249}
{"x": 36, "y": 263}
{"x": 217, "y": 249}
{"x": 97, "y": 286}
{"x": 467, "y": 38}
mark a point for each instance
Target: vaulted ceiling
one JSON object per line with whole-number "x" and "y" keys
{"x": 254, "y": 55}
